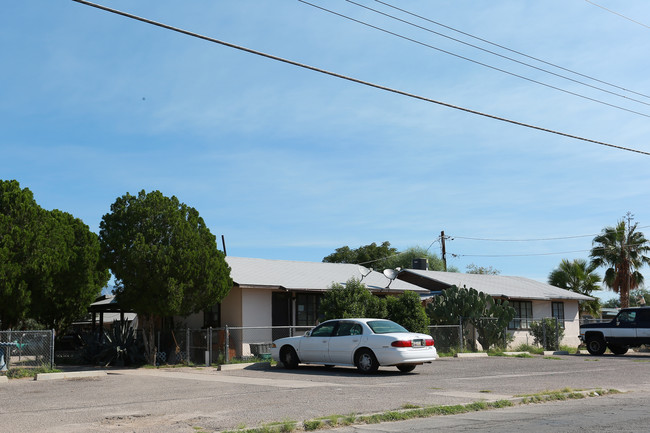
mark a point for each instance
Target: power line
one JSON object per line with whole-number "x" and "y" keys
{"x": 358, "y": 81}
{"x": 510, "y": 49}
{"x": 495, "y": 53}
{"x": 620, "y": 15}
{"x": 530, "y": 239}
{"x": 518, "y": 255}
{"x": 475, "y": 61}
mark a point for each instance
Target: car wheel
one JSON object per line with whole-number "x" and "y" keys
{"x": 596, "y": 345}
{"x": 406, "y": 368}
{"x": 366, "y": 361}
{"x": 617, "y": 350}
{"x": 289, "y": 357}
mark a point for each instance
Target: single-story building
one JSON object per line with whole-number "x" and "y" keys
{"x": 285, "y": 293}
{"x": 532, "y": 300}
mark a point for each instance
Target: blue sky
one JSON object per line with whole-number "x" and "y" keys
{"x": 291, "y": 164}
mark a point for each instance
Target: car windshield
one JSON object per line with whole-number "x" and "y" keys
{"x": 385, "y": 327}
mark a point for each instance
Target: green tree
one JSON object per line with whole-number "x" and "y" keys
{"x": 580, "y": 277}
{"x": 21, "y": 237}
{"x": 407, "y": 310}
{"x": 49, "y": 262}
{"x": 372, "y": 255}
{"x": 405, "y": 258}
{"x": 622, "y": 250}
{"x": 483, "y": 270}
{"x": 65, "y": 293}
{"x": 351, "y": 300}
{"x": 163, "y": 256}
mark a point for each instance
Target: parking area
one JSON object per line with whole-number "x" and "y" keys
{"x": 189, "y": 399}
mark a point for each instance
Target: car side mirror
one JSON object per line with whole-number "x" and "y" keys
{"x": 308, "y": 334}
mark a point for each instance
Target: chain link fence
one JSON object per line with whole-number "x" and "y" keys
{"x": 26, "y": 349}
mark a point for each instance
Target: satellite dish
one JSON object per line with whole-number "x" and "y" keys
{"x": 364, "y": 271}
{"x": 391, "y": 274}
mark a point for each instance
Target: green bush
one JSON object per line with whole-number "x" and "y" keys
{"x": 547, "y": 333}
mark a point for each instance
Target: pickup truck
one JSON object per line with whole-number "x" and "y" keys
{"x": 630, "y": 328}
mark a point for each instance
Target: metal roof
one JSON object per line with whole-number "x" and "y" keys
{"x": 308, "y": 276}
{"x": 498, "y": 286}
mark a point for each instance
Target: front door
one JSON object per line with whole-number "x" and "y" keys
{"x": 280, "y": 313}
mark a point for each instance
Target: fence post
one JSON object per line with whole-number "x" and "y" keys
{"x": 557, "y": 334}
{"x": 544, "y": 334}
{"x": 460, "y": 332}
{"x": 227, "y": 335}
{"x": 187, "y": 346}
{"x": 52, "y": 350}
{"x": 210, "y": 345}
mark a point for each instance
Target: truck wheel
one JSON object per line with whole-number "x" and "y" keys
{"x": 617, "y": 350}
{"x": 596, "y": 345}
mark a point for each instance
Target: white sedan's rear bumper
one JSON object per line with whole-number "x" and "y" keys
{"x": 405, "y": 355}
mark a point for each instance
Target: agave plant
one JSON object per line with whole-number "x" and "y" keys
{"x": 119, "y": 347}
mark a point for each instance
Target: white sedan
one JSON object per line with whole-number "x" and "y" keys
{"x": 364, "y": 343}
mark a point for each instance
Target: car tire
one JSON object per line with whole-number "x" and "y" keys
{"x": 289, "y": 357}
{"x": 617, "y": 350}
{"x": 406, "y": 368}
{"x": 366, "y": 361}
{"x": 596, "y": 345}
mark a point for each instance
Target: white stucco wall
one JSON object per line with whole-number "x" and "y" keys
{"x": 543, "y": 309}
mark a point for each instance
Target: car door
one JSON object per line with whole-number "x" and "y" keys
{"x": 643, "y": 326}
{"x": 344, "y": 342}
{"x": 314, "y": 347}
{"x": 624, "y": 330}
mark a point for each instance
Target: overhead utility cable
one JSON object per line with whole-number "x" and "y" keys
{"x": 356, "y": 80}
{"x": 497, "y": 54}
{"x": 510, "y": 49}
{"x": 559, "y": 238}
{"x": 473, "y": 61}
{"x": 620, "y": 15}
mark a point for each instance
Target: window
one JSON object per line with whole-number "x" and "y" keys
{"x": 324, "y": 330}
{"x": 524, "y": 315}
{"x": 212, "y": 316}
{"x": 557, "y": 309}
{"x": 348, "y": 328}
{"x": 307, "y": 306}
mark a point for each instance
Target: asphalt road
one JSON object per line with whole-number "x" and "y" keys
{"x": 187, "y": 400}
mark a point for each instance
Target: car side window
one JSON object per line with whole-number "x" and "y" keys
{"x": 348, "y": 328}
{"x": 626, "y": 317}
{"x": 324, "y": 330}
{"x": 643, "y": 318}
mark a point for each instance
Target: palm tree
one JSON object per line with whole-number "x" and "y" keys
{"x": 622, "y": 250}
{"x": 580, "y": 277}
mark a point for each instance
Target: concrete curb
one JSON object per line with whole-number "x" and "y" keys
{"x": 69, "y": 375}
{"x": 471, "y": 355}
{"x": 249, "y": 365}
{"x": 516, "y": 353}
{"x": 557, "y": 352}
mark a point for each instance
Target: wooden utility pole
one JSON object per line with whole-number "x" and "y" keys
{"x": 444, "y": 252}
